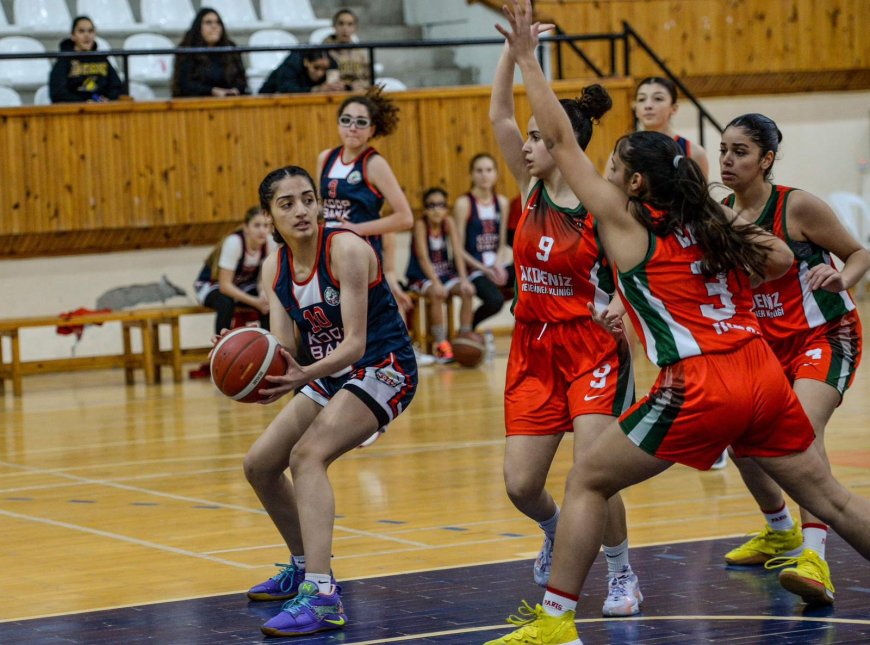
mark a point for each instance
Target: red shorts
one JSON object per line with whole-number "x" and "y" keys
{"x": 701, "y": 405}
{"x": 829, "y": 353}
{"x": 558, "y": 371}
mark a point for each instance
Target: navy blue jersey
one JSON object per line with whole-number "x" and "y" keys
{"x": 347, "y": 194}
{"x": 685, "y": 145}
{"x": 315, "y": 306}
{"x": 482, "y": 231}
{"x": 439, "y": 254}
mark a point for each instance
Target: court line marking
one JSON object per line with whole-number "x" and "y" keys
{"x": 588, "y": 621}
{"x": 125, "y": 538}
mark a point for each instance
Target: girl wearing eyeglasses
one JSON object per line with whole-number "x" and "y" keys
{"x": 436, "y": 269}
{"x": 355, "y": 180}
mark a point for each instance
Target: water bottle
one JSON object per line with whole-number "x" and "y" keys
{"x": 489, "y": 339}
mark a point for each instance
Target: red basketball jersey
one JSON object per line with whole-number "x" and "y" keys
{"x": 677, "y": 311}
{"x": 787, "y": 306}
{"x": 559, "y": 263}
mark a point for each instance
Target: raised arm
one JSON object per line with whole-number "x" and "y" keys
{"x": 502, "y": 117}
{"x": 606, "y": 200}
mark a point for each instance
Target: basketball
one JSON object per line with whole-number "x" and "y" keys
{"x": 241, "y": 360}
{"x": 469, "y": 348}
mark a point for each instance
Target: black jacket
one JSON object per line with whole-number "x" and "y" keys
{"x": 290, "y": 76}
{"x": 76, "y": 80}
{"x": 196, "y": 79}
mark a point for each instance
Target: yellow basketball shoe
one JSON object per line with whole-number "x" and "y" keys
{"x": 537, "y": 627}
{"x": 809, "y": 578}
{"x": 766, "y": 545}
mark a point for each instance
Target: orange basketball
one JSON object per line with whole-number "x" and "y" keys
{"x": 469, "y": 348}
{"x": 241, "y": 360}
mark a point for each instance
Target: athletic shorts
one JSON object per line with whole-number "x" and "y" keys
{"x": 386, "y": 386}
{"x": 829, "y": 353}
{"x": 559, "y": 371}
{"x": 701, "y": 405}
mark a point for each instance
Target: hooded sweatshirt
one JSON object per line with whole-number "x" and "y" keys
{"x": 76, "y": 80}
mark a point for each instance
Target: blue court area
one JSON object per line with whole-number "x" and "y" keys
{"x": 690, "y": 597}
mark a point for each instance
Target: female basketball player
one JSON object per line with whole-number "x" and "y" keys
{"x": 809, "y": 320}
{"x": 481, "y": 218}
{"x": 684, "y": 265}
{"x": 655, "y": 103}
{"x": 325, "y": 289}
{"x": 565, "y": 373}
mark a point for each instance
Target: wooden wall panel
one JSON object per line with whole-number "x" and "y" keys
{"x": 721, "y": 46}
{"x": 85, "y": 178}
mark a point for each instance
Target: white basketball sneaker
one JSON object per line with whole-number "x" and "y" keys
{"x": 623, "y": 595}
{"x": 544, "y": 562}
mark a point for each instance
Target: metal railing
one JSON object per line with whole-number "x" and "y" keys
{"x": 573, "y": 42}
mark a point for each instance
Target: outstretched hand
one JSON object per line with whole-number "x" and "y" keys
{"x": 524, "y": 35}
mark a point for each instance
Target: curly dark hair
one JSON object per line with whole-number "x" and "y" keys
{"x": 234, "y": 68}
{"x": 383, "y": 112}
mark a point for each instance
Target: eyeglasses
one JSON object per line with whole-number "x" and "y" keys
{"x": 436, "y": 205}
{"x": 360, "y": 121}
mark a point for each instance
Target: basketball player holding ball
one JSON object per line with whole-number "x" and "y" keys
{"x": 565, "y": 373}
{"x": 327, "y": 286}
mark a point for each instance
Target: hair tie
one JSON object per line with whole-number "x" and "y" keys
{"x": 677, "y": 160}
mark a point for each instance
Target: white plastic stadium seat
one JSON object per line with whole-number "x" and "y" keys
{"x": 108, "y": 15}
{"x": 25, "y": 72}
{"x": 238, "y": 14}
{"x": 42, "y": 96}
{"x": 150, "y": 68}
{"x": 103, "y": 45}
{"x": 854, "y": 213}
{"x": 50, "y": 16}
{"x": 262, "y": 63}
{"x": 9, "y": 97}
{"x": 141, "y": 92}
{"x": 167, "y": 15}
{"x": 391, "y": 84}
{"x": 295, "y": 14}
{"x": 5, "y": 27}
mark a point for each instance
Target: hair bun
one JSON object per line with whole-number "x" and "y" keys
{"x": 594, "y": 102}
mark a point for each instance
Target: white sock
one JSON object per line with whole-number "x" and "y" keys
{"x": 779, "y": 519}
{"x": 322, "y": 580}
{"x": 815, "y": 536}
{"x": 558, "y": 604}
{"x": 617, "y": 558}
{"x": 439, "y": 333}
{"x": 549, "y": 526}
{"x": 299, "y": 561}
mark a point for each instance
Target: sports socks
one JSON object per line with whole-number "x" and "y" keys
{"x": 439, "y": 333}
{"x": 322, "y": 580}
{"x": 815, "y": 536}
{"x": 557, "y": 603}
{"x": 617, "y": 558}
{"x": 779, "y": 519}
{"x": 549, "y": 526}
{"x": 299, "y": 562}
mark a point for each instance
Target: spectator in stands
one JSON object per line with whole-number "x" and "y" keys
{"x": 80, "y": 80}
{"x": 354, "y": 65}
{"x": 309, "y": 71}
{"x": 208, "y": 74}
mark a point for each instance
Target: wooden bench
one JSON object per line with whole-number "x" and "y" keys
{"x": 421, "y": 334}
{"x": 149, "y": 359}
